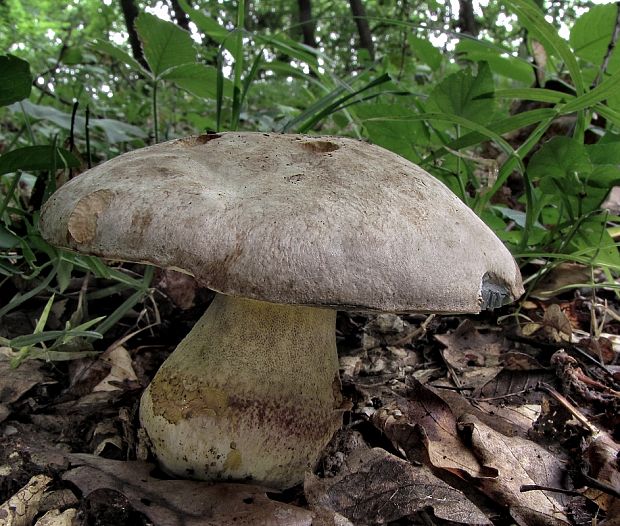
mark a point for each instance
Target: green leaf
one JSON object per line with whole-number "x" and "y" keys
{"x": 610, "y": 86}
{"x": 591, "y": 35}
{"x": 198, "y": 79}
{"x": 115, "y": 131}
{"x": 16, "y": 79}
{"x": 165, "y": 44}
{"x": 465, "y": 95}
{"x": 33, "y": 158}
{"x": 401, "y": 137}
{"x": 535, "y": 94}
{"x": 103, "y": 46}
{"x": 7, "y": 238}
{"x": 425, "y": 51}
{"x": 533, "y": 18}
{"x": 209, "y": 26}
{"x": 561, "y": 158}
{"x": 498, "y": 59}
{"x": 291, "y": 48}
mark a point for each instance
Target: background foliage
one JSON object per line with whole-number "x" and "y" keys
{"x": 514, "y": 105}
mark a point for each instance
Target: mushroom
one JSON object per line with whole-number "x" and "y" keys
{"x": 286, "y": 229}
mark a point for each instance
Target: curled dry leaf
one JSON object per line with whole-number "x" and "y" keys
{"x": 603, "y": 457}
{"x": 421, "y": 414}
{"x": 121, "y": 369}
{"x": 22, "y": 507}
{"x": 472, "y": 354}
{"x": 16, "y": 382}
{"x": 518, "y": 462}
{"x": 377, "y": 488}
{"x": 58, "y": 518}
{"x": 187, "y": 502}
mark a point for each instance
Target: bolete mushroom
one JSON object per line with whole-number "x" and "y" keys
{"x": 286, "y": 229}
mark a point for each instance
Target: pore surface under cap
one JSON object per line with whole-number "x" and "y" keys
{"x": 287, "y": 219}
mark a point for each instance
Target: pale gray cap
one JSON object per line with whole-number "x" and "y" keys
{"x": 292, "y": 219}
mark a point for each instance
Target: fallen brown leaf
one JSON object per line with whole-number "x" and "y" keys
{"x": 187, "y": 502}
{"x": 376, "y": 487}
{"x": 472, "y": 354}
{"x": 16, "y": 382}
{"x": 421, "y": 418}
{"x": 518, "y": 462}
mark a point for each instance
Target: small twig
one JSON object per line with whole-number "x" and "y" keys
{"x": 500, "y": 397}
{"x": 602, "y": 486}
{"x": 569, "y": 407}
{"x": 537, "y": 487}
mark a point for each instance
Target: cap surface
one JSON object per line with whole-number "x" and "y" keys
{"x": 292, "y": 219}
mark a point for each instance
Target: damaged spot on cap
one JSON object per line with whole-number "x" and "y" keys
{"x": 196, "y": 140}
{"x": 319, "y": 146}
{"x": 493, "y": 293}
{"x": 82, "y": 225}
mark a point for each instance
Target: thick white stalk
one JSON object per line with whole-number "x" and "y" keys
{"x": 251, "y": 393}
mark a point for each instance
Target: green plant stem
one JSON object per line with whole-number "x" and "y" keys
{"x": 155, "y": 117}
{"x": 238, "y": 66}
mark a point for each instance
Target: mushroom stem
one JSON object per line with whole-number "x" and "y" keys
{"x": 251, "y": 393}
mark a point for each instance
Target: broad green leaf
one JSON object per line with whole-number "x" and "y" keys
{"x": 605, "y": 176}
{"x": 606, "y": 151}
{"x": 466, "y": 95}
{"x": 16, "y": 80}
{"x": 425, "y": 51}
{"x": 165, "y": 44}
{"x": 33, "y": 158}
{"x": 591, "y": 35}
{"x": 401, "y": 137}
{"x": 103, "y": 46}
{"x": 500, "y": 61}
{"x": 209, "y": 26}
{"x": 118, "y": 131}
{"x": 7, "y": 238}
{"x": 561, "y": 158}
{"x": 593, "y": 238}
{"x": 198, "y": 79}
{"x": 454, "y": 119}
{"x": 115, "y": 131}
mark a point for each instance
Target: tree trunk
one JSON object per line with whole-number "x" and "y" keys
{"x": 130, "y": 12}
{"x": 359, "y": 14}
{"x": 467, "y": 21}
{"x": 306, "y": 22}
{"x": 180, "y": 16}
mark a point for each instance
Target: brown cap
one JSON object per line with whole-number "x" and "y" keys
{"x": 293, "y": 219}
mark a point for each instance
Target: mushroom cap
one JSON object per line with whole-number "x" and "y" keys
{"x": 292, "y": 219}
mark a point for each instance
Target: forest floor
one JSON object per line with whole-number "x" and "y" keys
{"x": 509, "y": 417}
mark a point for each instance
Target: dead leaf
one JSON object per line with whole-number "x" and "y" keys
{"x": 185, "y": 502}
{"x": 178, "y": 286}
{"x": 421, "y": 419}
{"x": 58, "y": 518}
{"x": 121, "y": 369}
{"x": 518, "y": 462}
{"x": 472, "y": 354}
{"x": 557, "y": 325}
{"x": 603, "y": 456}
{"x": 22, "y": 507}
{"x": 16, "y": 382}
{"x": 563, "y": 275}
{"x": 377, "y": 488}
